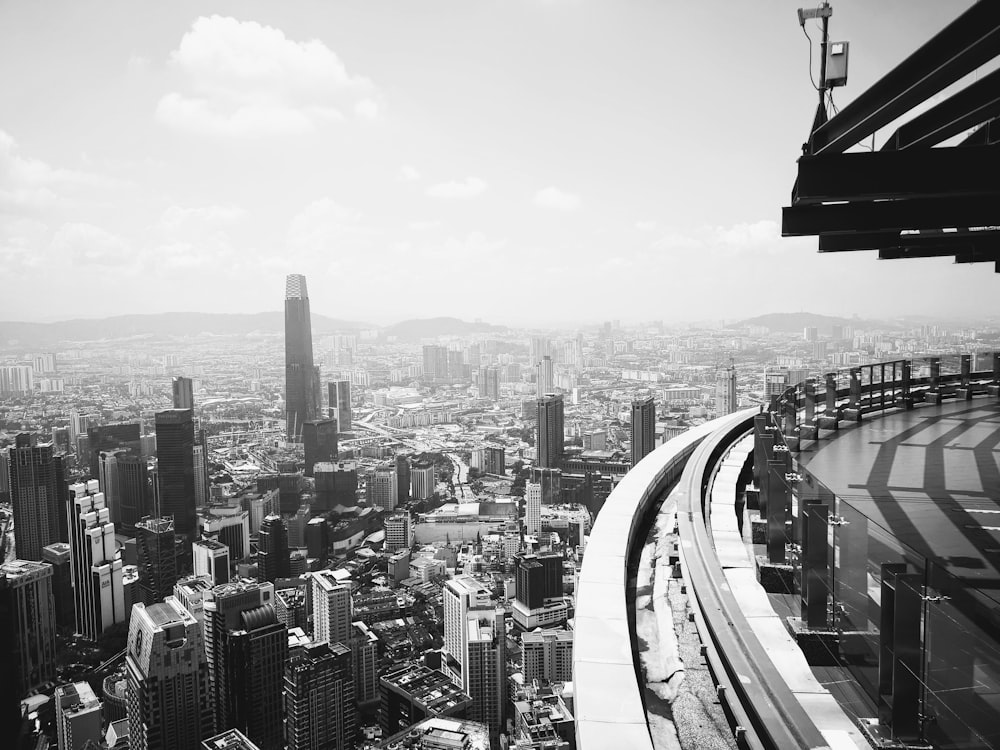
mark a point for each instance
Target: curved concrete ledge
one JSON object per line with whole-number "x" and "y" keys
{"x": 608, "y": 699}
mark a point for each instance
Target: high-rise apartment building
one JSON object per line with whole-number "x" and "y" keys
{"x": 31, "y": 621}
{"x": 175, "y": 470}
{"x": 16, "y": 380}
{"x": 398, "y": 531}
{"x": 183, "y": 391}
{"x": 58, "y": 556}
{"x": 489, "y": 383}
{"x": 339, "y": 394}
{"x": 540, "y": 346}
{"x": 167, "y": 694}
{"x": 435, "y": 362}
{"x": 37, "y": 492}
{"x": 253, "y": 657}
{"x": 725, "y": 392}
{"x": 78, "y": 716}
{"x": 319, "y": 437}
{"x": 211, "y": 559}
{"x": 364, "y": 651}
{"x": 222, "y": 607}
{"x": 643, "y": 428}
{"x": 547, "y": 655}
{"x": 98, "y": 592}
{"x": 302, "y": 385}
{"x": 156, "y": 558}
{"x": 384, "y": 487}
{"x": 532, "y": 508}
{"x": 319, "y": 698}
{"x": 332, "y": 609}
{"x": 459, "y": 595}
{"x": 273, "y": 555}
{"x": 545, "y": 376}
{"x": 484, "y": 674}
{"x": 422, "y": 480}
{"x": 124, "y": 480}
{"x": 549, "y": 443}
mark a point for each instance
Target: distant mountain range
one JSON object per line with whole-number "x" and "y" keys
{"x": 180, "y": 325}
{"x": 795, "y": 322}
{"x": 429, "y": 328}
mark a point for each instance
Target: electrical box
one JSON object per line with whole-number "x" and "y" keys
{"x": 836, "y": 63}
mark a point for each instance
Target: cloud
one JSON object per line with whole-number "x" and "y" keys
{"x": 246, "y": 79}
{"x": 423, "y": 226}
{"x": 408, "y": 173}
{"x": 86, "y": 244}
{"x": 467, "y": 188}
{"x": 556, "y": 199}
{"x": 366, "y": 108}
{"x": 322, "y": 228}
{"x": 176, "y": 217}
{"x": 27, "y": 183}
{"x": 645, "y": 226}
{"x": 741, "y": 235}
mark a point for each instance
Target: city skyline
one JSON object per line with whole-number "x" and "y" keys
{"x": 246, "y": 143}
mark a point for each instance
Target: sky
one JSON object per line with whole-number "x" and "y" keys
{"x": 526, "y": 162}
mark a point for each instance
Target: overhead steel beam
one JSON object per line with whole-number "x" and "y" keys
{"x": 973, "y": 105}
{"x": 875, "y": 216}
{"x": 978, "y": 244}
{"x": 968, "y": 42}
{"x": 898, "y": 174}
{"x": 986, "y": 134}
{"x": 851, "y": 241}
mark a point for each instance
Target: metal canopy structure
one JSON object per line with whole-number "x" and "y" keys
{"x": 913, "y": 197}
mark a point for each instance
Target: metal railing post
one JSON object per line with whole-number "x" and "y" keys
{"x": 815, "y": 564}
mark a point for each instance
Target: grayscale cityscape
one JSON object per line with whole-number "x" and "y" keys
{"x": 464, "y": 375}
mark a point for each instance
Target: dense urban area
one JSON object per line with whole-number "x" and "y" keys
{"x": 377, "y": 545}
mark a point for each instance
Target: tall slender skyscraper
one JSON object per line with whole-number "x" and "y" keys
{"x": 339, "y": 392}
{"x": 545, "y": 376}
{"x": 175, "y": 470}
{"x": 37, "y": 490}
{"x": 725, "y": 392}
{"x": 98, "y": 588}
{"x": 302, "y": 387}
{"x": 31, "y": 621}
{"x": 273, "y": 557}
{"x": 183, "y": 389}
{"x": 125, "y": 483}
{"x": 319, "y": 698}
{"x": 167, "y": 694}
{"x": 157, "y": 558}
{"x": 549, "y": 445}
{"x": 643, "y": 428}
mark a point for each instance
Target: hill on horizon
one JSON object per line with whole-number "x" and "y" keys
{"x": 174, "y": 324}
{"x": 426, "y": 328}
{"x": 795, "y": 322}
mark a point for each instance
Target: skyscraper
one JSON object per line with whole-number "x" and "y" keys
{"x": 319, "y": 698}
{"x": 31, "y": 622}
{"x": 489, "y": 383}
{"x": 384, "y": 487}
{"x": 183, "y": 389}
{"x": 485, "y": 678}
{"x": 458, "y": 596}
{"x": 435, "y": 362}
{"x": 37, "y": 489}
{"x": 124, "y": 480}
{"x": 211, "y": 559}
{"x": 643, "y": 428}
{"x": 340, "y": 403}
{"x": 175, "y": 470}
{"x": 532, "y": 508}
{"x": 273, "y": 557}
{"x": 301, "y": 376}
{"x": 222, "y": 607}
{"x": 109, "y": 437}
{"x": 336, "y": 484}
{"x": 157, "y": 558}
{"x": 320, "y": 439}
{"x": 545, "y": 376}
{"x": 549, "y": 445}
{"x": 98, "y": 591}
{"x": 253, "y": 657}
{"x": 725, "y": 392}
{"x": 78, "y": 716}
{"x": 168, "y": 679}
{"x": 331, "y": 609}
